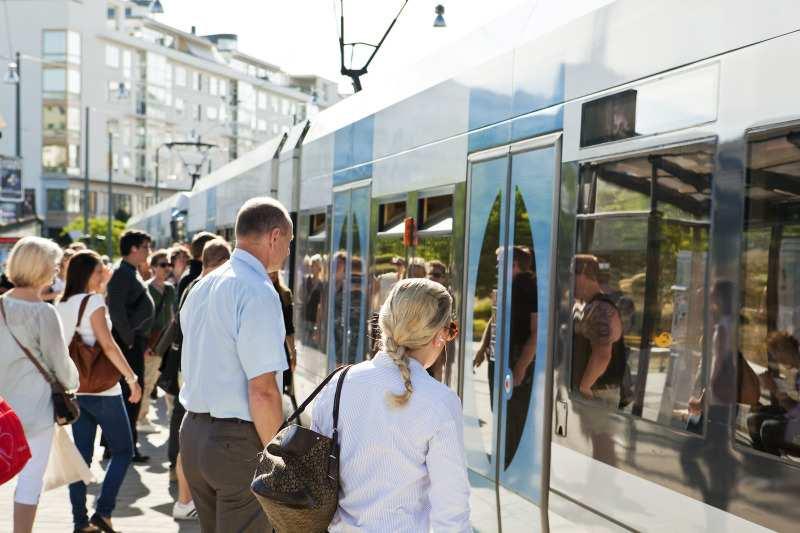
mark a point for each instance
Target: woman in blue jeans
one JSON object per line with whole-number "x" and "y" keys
{"x": 86, "y": 280}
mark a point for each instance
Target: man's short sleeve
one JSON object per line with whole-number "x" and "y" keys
{"x": 261, "y": 335}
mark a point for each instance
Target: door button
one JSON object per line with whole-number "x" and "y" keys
{"x": 508, "y": 384}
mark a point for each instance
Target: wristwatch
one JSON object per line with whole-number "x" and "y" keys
{"x": 130, "y": 380}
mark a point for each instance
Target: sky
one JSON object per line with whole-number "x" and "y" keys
{"x": 301, "y": 36}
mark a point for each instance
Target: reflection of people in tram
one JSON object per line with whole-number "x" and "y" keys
{"x": 718, "y": 479}
{"x": 775, "y": 428}
{"x": 385, "y": 282}
{"x": 437, "y": 271}
{"x": 599, "y": 355}
{"x": 522, "y": 344}
{"x": 289, "y": 347}
{"x": 312, "y": 290}
{"x": 416, "y": 268}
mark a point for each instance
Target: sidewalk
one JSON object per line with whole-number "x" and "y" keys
{"x": 145, "y": 500}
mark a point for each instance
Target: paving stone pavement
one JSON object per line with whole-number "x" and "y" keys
{"x": 145, "y": 499}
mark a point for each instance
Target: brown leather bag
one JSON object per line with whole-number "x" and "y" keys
{"x": 97, "y": 372}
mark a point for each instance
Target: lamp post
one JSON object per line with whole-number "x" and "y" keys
{"x": 12, "y": 77}
{"x": 122, "y": 94}
{"x": 158, "y": 166}
{"x": 109, "y": 233}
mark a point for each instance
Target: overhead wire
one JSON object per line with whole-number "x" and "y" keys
{"x": 8, "y": 28}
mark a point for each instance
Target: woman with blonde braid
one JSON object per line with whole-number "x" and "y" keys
{"x": 402, "y": 465}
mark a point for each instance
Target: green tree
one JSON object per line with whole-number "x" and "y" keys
{"x": 98, "y": 229}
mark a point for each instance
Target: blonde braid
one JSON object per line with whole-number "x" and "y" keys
{"x": 398, "y": 355}
{"x": 415, "y": 311}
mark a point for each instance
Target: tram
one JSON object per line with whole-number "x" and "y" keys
{"x": 661, "y": 139}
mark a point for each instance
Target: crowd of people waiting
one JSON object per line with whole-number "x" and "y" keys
{"x": 51, "y": 295}
{"x": 209, "y": 326}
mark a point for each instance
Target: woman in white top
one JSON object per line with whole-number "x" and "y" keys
{"x": 34, "y": 324}
{"x": 86, "y": 279}
{"x": 402, "y": 465}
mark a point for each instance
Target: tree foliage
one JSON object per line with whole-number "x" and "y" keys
{"x": 98, "y": 229}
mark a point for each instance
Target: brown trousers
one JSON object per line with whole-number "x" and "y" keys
{"x": 219, "y": 458}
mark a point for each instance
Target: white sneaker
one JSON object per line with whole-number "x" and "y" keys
{"x": 184, "y": 511}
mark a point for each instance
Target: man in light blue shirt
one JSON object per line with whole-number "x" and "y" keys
{"x": 232, "y": 359}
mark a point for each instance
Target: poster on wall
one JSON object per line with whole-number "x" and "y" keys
{"x": 10, "y": 179}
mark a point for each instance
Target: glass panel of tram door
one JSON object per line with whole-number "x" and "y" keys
{"x": 487, "y": 221}
{"x": 527, "y": 260}
{"x": 350, "y": 238}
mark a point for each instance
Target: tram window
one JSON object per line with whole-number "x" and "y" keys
{"x": 311, "y": 290}
{"x": 639, "y": 284}
{"x": 768, "y": 417}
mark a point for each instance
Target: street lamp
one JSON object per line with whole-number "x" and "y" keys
{"x": 156, "y": 8}
{"x": 12, "y": 77}
{"x": 439, "y": 22}
{"x": 192, "y": 153}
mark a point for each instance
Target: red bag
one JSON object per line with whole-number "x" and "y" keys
{"x": 14, "y": 451}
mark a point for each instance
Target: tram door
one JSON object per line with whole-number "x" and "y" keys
{"x": 347, "y": 286}
{"x": 506, "y": 329}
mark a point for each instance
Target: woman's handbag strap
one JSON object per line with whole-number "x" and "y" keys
{"x": 81, "y": 310}
{"x": 339, "y": 385}
{"x": 311, "y": 396}
{"x": 45, "y": 374}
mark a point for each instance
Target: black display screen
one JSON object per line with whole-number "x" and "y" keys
{"x": 610, "y": 118}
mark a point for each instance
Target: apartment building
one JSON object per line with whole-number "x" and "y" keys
{"x": 104, "y": 75}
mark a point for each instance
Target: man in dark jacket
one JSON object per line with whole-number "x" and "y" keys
{"x": 196, "y": 263}
{"x": 131, "y": 309}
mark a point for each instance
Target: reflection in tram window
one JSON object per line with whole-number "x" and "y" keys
{"x": 770, "y": 314}
{"x": 639, "y": 283}
{"x": 434, "y": 252}
{"x": 311, "y": 292}
{"x": 484, "y": 331}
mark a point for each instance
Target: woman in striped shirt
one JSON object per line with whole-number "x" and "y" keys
{"x": 402, "y": 465}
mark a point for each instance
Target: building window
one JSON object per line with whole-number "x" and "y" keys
{"x": 213, "y": 86}
{"x": 223, "y": 88}
{"x": 179, "y": 105}
{"x": 112, "y": 56}
{"x": 127, "y": 64}
{"x": 111, "y": 17}
{"x": 211, "y": 113}
{"x": 55, "y": 199}
{"x": 54, "y": 118}
{"x": 284, "y": 106}
{"x": 223, "y": 113}
{"x": 262, "y": 125}
{"x": 274, "y": 103}
{"x": 180, "y": 76}
{"x": 54, "y": 82}
{"x": 54, "y": 45}
{"x": 274, "y": 129}
{"x": 262, "y": 100}
{"x": 73, "y": 81}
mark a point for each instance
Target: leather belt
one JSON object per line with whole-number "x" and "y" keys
{"x": 215, "y": 419}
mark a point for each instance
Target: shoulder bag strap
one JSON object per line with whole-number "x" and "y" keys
{"x": 81, "y": 310}
{"x": 45, "y": 374}
{"x": 311, "y": 396}
{"x": 336, "y": 398}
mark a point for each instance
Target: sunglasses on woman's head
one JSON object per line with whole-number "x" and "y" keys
{"x": 163, "y": 265}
